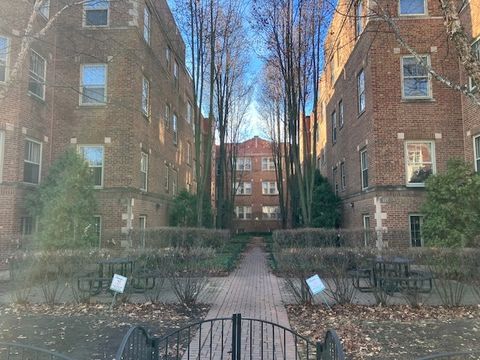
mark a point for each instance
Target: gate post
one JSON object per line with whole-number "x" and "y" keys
{"x": 319, "y": 350}
{"x": 236, "y": 336}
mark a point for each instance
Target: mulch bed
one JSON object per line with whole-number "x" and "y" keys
{"x": 89, "y": 331}
{"x": 393, "y": 332}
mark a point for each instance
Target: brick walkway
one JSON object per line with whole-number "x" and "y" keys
{"x": 255, "y": 293}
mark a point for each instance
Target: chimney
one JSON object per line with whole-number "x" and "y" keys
{"x": 256, "y": 141}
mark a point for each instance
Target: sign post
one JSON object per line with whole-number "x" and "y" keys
{"x": 118, "y": 287}
{"x": 316, "y": 286}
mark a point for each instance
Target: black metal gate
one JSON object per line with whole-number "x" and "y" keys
{"x": 232, "y": 338}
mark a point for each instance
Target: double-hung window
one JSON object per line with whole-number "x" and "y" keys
{"x": 361, "y": 91}
{"x": 144, "y": 171}
{"x": 268, "y": 164}
{"x": 44, "y": 9}
{"x": 359, "y": 18}
{"x": 2, "y": 147}
{"x": 93, "y": 84}
{"x": 96, "y": 13}
{"x": 269, "y": 188}
{"x": 243, "y": 212}
{"x": 174, "y": 182}
{"x": 416, "y": 222}
{"x": 244, "y": 164}
{"x": 364, "y": 168}
{"x": 32, "y": 161}
{"x": 146, "y": 97}
{"x": 175, "y": 73}
{"x": 343, "y": 178}
{"x": 475, "y": 51}
{"x": 270, "y": 212}
{"x": 36, "y": 82}
{"x": 93, "y": 155}
{"x": 189, "y": 112}
{"x": 419, "y": 161}
{"x": 167, "y": 116}
{"x": 142, "y": 227}
{"x": 416, "y": 82}
{"x": 366, "y": 229}
{"x": 334, "y": 127}
{"x": 335, "y": 180}
{"x": 189, "y": 153}
{"x": 340, "y": 114}
{"x": 147, "y": 16}
{"x": 4, "y": 50}
{"x": 476, "y": 152}
{"x": 412, "y": 7}
{"x": 166, "y": 177}
{"x": 243, "y": 188}
{"x": 175, "y": 128}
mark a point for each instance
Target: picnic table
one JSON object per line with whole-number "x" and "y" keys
{"x": 392, "y": 275}
{"x": 139, "y": 280}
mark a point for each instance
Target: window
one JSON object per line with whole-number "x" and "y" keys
{"x": 168, "y": 52}
{"x": 364, "y": 168}
{"x": 244, "y": 188}
{"x": 269, "y": 188}
{"x": 343, "y": 178}
{"x": 471, "y": 83}
{"x": 189, "y": 113}
{"x": 44, "y": 9}
{"x": 27, "y": 225}
{"x": 244, "y": 164}
{"x": 142, "y": 226}
{"x": 361, "y": 91}
{"x": 147, "y": 15}
{"x": 174, "y": 183}
{"x": 4, "y": 49}
{"x": 340, "y": 114}
{"x": 412, "y": 7}
{"x": 166, "y": 177}
{"x": 36, "y": 82}
{"x": 175, "y": 129}
{"x": 167, "y": 116}
{"x": 332, "y": 70}
{"x": 93, "y": 84}
{"x": 366, "y": 230}
{"x": 476, "y": 151}
{"x": 335, "y": 181}
{"x": 416, "y": 222}
{"x": 96, "y": 13}
{"x": 144, "y": 171}
{"x": 2, "y": 149}
{"x": 359, "y": 18}
{"x": 189, "y": 153}
{"x": 175, "y": 73}
{"x": 93, "y": 155}
{"x": 334, "y": 127}
{"x": 146, "y": 97}
{"x": 419, "y": 161}
{"x": 243, "y": 212}
{"x": 268, "y": 164}
{"x": 271, "y": 212}
{"x": 97, "y": 228}
{"x": 32, "y": 161}
{"x": 415, "y": 78}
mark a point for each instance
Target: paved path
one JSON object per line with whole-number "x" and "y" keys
{"x": 255, "y": 293}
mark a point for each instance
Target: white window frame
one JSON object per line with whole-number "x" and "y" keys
{"x": 44, "y": 10}
{"x": 343, "y": 176}
{"x": 31, "y": 162}
{"x": 366, "y": 229}
{"x": 241, "y": 162}
{"x": 476, "y": 154}
{"x": 175, "y": 128}
{"x": 85, "y": 9}
{"x": 269, "y": 210}
{"x": 2, "y": 153}
{"x": 434, "y": 167}
{"x": 166, "y": 178}
{"x": 96, "y": 86}
{"x": 341, "y": 114}
{"x": 244, "y": 188}
{"x": 38, "y": 79}
{"x": 189, "y": 112}
{"x": 268, "y": 164}
{"x": 7, "y": 58}
{"x": 175, "y": 72}
{"x": 364, "y": 168}
{"x": 471, "y": 85}
{"x": 334, "y": 127}
{"x": 429, "y": 78}
{"x": 245, "y": 210}
{"x": 144, "y": 170}
{"x": 269, "y": 188}
{"x": 168, "y": 111}
{"x": 359, "y": 23}
{"x": 425, "y": 9}
{"x": 421, "y": 216}
{"x": 103, "y": 161}
{"x": 168, "y": 55}
{"x": 147, "y": 24}
{"x": 361, "y": 92}
{"x": 23, "y": 222}
{"x": 146, "y": 97}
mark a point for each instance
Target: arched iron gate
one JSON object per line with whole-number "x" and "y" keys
{"x": 232, "y": 338}
{"x": 12, "y": 351}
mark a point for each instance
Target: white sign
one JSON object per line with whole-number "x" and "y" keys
{"x": 118, "y": 283}
{"x": 315, "y": 284}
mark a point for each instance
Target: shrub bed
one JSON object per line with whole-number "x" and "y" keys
{"x": 318, "y": 237}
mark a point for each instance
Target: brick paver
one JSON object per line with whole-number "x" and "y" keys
{"x": 253, "y": 291}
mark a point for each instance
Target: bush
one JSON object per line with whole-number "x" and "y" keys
{"x": 313, "y": 237}
{"x": 166, "y": 237}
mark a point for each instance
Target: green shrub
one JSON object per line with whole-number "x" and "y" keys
{"x": 313, "y": 237}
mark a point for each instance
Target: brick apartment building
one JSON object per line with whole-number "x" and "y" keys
{"x": 109, "y": 80}
{"x": 385, "y": 125}
{"x": 256, "y": 202}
